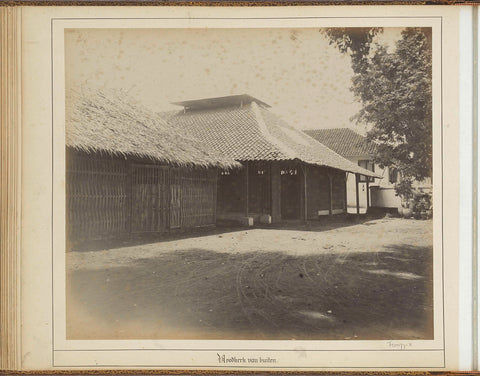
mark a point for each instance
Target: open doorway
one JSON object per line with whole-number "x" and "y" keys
{"x": 290, "y": 193}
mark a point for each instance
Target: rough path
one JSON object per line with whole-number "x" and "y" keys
{"x": 364, "y": 281}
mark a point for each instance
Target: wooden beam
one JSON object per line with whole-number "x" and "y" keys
{"x": 215, "y": 196}
{"x": 305, "y": 192}
{"x": 246, "y": 189}
{"x": 357, "y": 195}
{"x": 345, "y": 197}
{"x": 368, "y": 193}
{"x": 129, "y": 194}
{"x": 270, "y": 185}
{"x": 330, "y": 194}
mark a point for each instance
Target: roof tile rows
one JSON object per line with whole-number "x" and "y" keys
{"x": 251, "y": 132}
{"x": 232, "y": 131}
{"x": 344, "y": 141}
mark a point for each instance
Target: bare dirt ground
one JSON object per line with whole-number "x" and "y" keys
{"x": 371, "y": 280}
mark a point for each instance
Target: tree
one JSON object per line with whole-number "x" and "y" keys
{"x": 395, "y": 89}
{"x": 354, "y": 41}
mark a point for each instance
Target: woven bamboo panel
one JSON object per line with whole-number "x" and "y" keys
{"x": 195, "y": 197}
{"x": 107, "y": 197}
{"x": 96, "y": 197}
{"x": 149, "y": 203}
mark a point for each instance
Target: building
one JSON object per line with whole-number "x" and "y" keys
{"x": 128, "y": 172}
{"x": 286, "y": 174}
{"x": 374, "y": 192}
{"x": 355, "y": 148}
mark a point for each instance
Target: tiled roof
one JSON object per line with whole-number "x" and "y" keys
{"x": 232, "y": 131}
{"x": 344, "y": 141}
{"x": 252, "y": 132}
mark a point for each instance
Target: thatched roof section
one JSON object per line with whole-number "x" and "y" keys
{"x": 111, "y": 123}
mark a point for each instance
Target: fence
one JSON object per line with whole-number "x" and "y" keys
{"x": 109, "y": 196}
{"x": 97, "y": 196}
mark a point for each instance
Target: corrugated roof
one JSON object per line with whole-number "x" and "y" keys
{"x": 344, "y": 141}
{"x": 252, "y": 132}
{"x": 96, "y": 121}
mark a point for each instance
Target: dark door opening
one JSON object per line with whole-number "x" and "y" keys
{"x": 231, "y": 191}
{"x": 259, "y": 188}
{"x": 290, "y": 193}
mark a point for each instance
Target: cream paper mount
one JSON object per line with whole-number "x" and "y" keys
{"x": 97, "y": 91}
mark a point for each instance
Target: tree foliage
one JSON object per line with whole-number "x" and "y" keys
{"x": 395, "y": 89}
{"x": 354, "y": 41}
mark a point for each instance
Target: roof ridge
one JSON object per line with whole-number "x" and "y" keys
{"x": 333, "y": 129}
{"x": 268, "y": 136}
{"x": 327, "y": 129}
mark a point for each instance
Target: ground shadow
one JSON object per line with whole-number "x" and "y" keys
{"x": 200, "y": 294}
{"x": 130, "y": 240}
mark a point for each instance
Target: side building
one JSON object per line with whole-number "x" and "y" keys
{"x": 377, "y": 193}
{"x": 286, "y": 174}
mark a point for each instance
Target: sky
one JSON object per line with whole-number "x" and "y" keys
{"x": 295, "y": 71}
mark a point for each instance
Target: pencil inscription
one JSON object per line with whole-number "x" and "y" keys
{"x": 399, "y": 345}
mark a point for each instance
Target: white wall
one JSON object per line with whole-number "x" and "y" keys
{"x": 382, "y": 192}
{"x": 384, "y": 198}
{"x": 351, "y": 194}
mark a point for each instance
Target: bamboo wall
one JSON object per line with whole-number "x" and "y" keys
{"x": 148, "y": 207}
{"x": 196, "y": 190}
{"x": 97, "y": 196}
{"x": 108, "y": 196}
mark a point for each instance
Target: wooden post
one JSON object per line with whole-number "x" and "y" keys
{"x": 246, "y": 189}
{"x": 330, "y": 194}
{"x": 215, "y": 195}
{"x": 268, "y": 170}
{"x": 368, "y": 193}
{"x": 275, "y": 191}
{"x": 357, "y": 195}
{"x": 271, "y": 188}
{"x": 345, "y": 197}
{"x": 168, "y": 197}
{"x": 129, "y": 193}
{"x": 304, "y": 168}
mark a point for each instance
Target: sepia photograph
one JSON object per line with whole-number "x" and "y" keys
{"x": 249, "y": 183}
